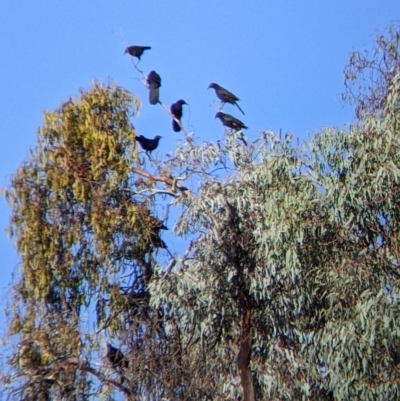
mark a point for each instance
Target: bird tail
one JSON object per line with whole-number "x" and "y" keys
{"x": 239, "y": 135}
{"x": 175, "y": 126}
{"x": 154, "y": 94}
{"x": 239, "y": 108}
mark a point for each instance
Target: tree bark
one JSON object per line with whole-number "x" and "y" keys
{"x": 246, "y": 376}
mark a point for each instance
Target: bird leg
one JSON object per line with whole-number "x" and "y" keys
{"x": 149, "y": 155}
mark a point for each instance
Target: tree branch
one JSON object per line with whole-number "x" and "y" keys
{"x": 102, "y": 377}
{"x": 171, "y": 182}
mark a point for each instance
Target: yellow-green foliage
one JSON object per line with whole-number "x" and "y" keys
{"x": 76, "y": 223}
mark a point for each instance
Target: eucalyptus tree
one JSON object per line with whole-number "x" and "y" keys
{"x": 87, "y": 240}
{"x": 287, "y": 288}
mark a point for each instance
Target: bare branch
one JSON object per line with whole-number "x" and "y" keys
{"x": 167, "y": 181}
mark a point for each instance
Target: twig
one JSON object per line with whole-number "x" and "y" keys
{"x": 103, "y": 378}
{"x": 167, "y": 181}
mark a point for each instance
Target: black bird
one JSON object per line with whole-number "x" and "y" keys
{"x": 156, "y": 241}
{"x": 230, "y": 121}
{"x": 136, "y": 51}
{"x": 225, "y": 96}
{"x": 156, "y": 224}
{"x": 116, "y": 357}
{"x": 176, "y": 111}
{"x": 148, "y": 144}
{"x": 154, "y": 82}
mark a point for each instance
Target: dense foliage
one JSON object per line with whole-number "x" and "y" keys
{"x": 287, "y": 289}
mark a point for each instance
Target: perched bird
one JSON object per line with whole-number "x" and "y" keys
{"x": 116, "y": 357}
{"x": 176, "y": 111}
{"x": 156, "y": 224}
{"x": 225, "y": 96}
{"x": 136, "y": 51}
{"x": 154, "y": 82}
{"x": 156, "y": 241}
{"x": 148, "y": 144}
{"x": 230, "y": 121}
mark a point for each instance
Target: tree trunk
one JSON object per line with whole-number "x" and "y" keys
{"x": 244, "y": 357}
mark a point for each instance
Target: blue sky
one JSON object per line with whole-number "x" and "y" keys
{"x": 283, "y": 59}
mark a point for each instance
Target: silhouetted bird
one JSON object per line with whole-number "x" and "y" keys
{"x": 156, "y": 224}
{"x": 116, "y": 357}
{"x": 156, "y": 241}
{"x": 148, "y": 144}
{"x": 225, "y": 96}
{"x": 154, "y": 82}
{"x": 176, "y": 111}
{"x": 136, "y": 51}
{"x": 230, "y": 121}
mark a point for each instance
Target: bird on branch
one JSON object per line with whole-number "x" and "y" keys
{"x": 156, "y": 241}
{"x": 154, "y": 82}
{"x": 225, "y": 96}
{"x": 116, "y": 357}
{"x": 136, "y": 51}
{"x": 148, "y": 144}
{"x": 233, "y": 123}
{"x": 230, "y": 121}
{"x": 156, "y": 224}
{"x": 176, "y": 111}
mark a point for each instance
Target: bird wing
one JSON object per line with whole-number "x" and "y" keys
{"x": 226, "y": 96}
